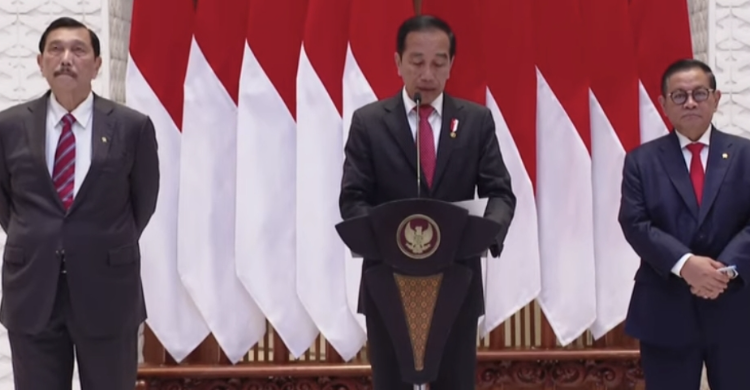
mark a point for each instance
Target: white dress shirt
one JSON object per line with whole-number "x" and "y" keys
{"x": 435, "y": 118}
{"x": 684, "y": 142}
{"x": 82, "y": 130}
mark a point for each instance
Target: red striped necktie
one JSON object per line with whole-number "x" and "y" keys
{"x": 63, "y": 173}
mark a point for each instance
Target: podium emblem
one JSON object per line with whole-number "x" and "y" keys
{"x": 418, "y": 236}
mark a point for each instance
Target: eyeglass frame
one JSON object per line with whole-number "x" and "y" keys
{"x": 709, "y": 91}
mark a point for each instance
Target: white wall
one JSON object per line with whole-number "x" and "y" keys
{"x": 729, "y": 56}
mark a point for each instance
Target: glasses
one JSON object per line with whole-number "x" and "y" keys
{"x": 698, "y": 94}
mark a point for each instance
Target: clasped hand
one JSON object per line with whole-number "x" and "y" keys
{"x": 701, "y": 274}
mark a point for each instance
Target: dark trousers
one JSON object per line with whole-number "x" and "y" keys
{"x": 727, "y": 366}
{"x": 458, "y": 364}
{"x": 44, "y": 361}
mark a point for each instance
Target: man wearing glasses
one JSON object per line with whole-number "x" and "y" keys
{"x": 685, "y": 210}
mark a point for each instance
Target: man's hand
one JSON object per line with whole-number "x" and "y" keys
{"x": 701, "y": 274}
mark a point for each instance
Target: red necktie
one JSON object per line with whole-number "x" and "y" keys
{"x": 426, "y": 143}
{"x": 65, "y": 162}
{"x": 696, "y": 170}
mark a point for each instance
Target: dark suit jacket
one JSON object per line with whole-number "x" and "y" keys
{"x": 661, "y": 219}
{"x": 380, "y": 167}
{"x": 97, "y": 237}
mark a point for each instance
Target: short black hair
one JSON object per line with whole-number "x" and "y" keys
{"x": 423, "y": 23}
{"x": 66, "y": 22}
{"x": 683, "y": 65}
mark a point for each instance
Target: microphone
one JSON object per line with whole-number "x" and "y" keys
{"x": 418, "y": 100}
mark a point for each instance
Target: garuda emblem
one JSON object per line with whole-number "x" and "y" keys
{"x": 418, "y": 236}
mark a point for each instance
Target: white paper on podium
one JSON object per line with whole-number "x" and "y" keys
{"x": 476, "y": 207}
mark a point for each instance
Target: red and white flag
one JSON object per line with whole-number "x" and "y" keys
{"x": 514, "y": 279}
{"x": 656, "y": 51}
{"x": 206, "y": 217}
{"x": 157, "y": 63}
{"x": 370, "y": 74}
{"x": 564, "y": 186}
{"x": 613, "y": 101}
{"x": 321, "y": 271}
{"x": 266, "y": 168}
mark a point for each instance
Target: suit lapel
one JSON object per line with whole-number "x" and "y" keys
{"x": 674, "y": 163}
{"x": 102, "y": 125}
{"x": 446, "y": 144}
{"x": 398, "y": 125}
{"x": 719, "y": 153}
{"x": 36, "y": 126}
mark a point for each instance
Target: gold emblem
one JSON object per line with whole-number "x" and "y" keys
{"x": 418, "y": 236}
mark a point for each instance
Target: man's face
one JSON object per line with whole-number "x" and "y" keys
{"x": 690, "y": 103}
{"x": 425, "y": 65}
{"x": 68, "y": 61}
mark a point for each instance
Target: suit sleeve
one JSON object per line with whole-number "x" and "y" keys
{"x": 493, "y": 182}
{"x": 656, "y": 247}
{"x": 4, "y": 187}
{"x": 358, "y": 181}
{"x": 737, "y": 253}
{"x": 144, "y": 178}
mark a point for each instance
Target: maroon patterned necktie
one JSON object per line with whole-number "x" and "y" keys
{"x": 63, "y": 172}
{"x": 426, "y": 143}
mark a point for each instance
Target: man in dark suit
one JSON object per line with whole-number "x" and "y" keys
{"x": 686, "y": 212}
{"x": 79, "y": 178}
{"x": 380, "y": 167}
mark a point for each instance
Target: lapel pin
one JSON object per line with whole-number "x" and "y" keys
{"x": 104, "y": 139}
{"x": 725, "y": 156}
{"x": 454, "y": 127}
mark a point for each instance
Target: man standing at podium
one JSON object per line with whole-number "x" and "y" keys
{"x": 459, "y": 154}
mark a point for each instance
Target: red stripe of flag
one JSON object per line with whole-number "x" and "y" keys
{"x": 326, "y": 37}
{"x": 274, "y": 34}
{"x": 468, "y": 78}
{"x": 509, "y": 30}
{"x": 161, "y": 54}
{"x": 219, "y": 32}
{"x": 559, "y": 56}
{"x": 373, "y": 30}
{"x": 662, "y": 35}
{"x": 612, "y": 66}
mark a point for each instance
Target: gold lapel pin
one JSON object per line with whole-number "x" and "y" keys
{"x": 725, "y": 156}
{"x": 104, "y": 139}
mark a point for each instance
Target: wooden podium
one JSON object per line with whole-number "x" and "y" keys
{"x": 417, "y": 286}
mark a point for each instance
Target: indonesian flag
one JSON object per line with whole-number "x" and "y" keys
{"x": 321, "y": 267}
{"x": 613, "y": 101}
{"x": 656, "y": 51}
{"x": 564, "y": 181}
{"x": 266, "y": 168}
{"x": 206, "y": 211}
{"x": 157, "y": 63}
{"x": 369, "y": 75}
{"x": 514, "y": 279}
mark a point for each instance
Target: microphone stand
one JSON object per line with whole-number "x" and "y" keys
{"x": 418, "y": 100}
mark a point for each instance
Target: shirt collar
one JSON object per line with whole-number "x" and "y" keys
{"x": 409, "y": 104}
{"x": 82, "y": 113}
{"x": 685, "y": 141}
